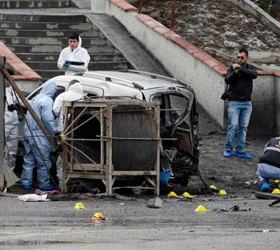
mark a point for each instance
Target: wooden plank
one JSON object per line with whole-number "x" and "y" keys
{"x": 26, "y": 104}
{"x": 134, "y": 173}
{"x": 85, "y": 175}
{"x": 269, "y": 196}
{"x": 85, "y": 166}
{"x": 157, "y": 117}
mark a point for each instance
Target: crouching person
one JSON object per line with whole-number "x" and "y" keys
{"x": 269, "y": 164}
{"x": 42, "y": 106}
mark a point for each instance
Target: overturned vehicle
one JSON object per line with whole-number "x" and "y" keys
{"x": 177, "y": 152}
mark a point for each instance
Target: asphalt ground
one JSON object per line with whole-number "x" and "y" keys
{"x": 132, "y": 225}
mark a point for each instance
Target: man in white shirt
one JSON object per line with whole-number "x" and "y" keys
{"x": 74, "y": 59}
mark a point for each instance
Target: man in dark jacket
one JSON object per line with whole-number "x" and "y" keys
{"x": 240, "y": 77}
{"x": 269, "y": 164}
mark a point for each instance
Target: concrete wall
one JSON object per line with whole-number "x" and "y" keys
{"x": 191, "y": 65}
{"x": 263, "y": 98}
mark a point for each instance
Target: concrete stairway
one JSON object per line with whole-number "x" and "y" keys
{"x": 38, "y": 39}
{"x": 25, "y": 4}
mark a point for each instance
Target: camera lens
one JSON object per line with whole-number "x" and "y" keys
{"x": 11, "y": 107}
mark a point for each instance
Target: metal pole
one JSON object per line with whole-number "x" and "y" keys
{"x": 2, "y": 124}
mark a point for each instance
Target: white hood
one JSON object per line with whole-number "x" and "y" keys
{"x": 76, "y": 88}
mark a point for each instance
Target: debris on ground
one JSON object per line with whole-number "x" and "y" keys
{"x": 51, "y": 192}
{"x": 234, "y": 208}
{"x": 33, "y": 197}
{"x": 155, "y": 203}
{"x": 9, "y": 175}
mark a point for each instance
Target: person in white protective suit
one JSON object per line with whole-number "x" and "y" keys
{"x": 11, "y": 123}
{"x": 74, "y": 59}
{"x": 75, "y": 92}
{"x": 42, "y": 105}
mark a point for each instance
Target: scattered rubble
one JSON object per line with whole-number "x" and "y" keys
{"x": 155, "y": 203}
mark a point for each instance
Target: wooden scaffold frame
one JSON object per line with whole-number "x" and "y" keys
{"x": 104, "y": 170}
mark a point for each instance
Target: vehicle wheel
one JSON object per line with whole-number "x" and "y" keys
{"x": 185, "y": 180}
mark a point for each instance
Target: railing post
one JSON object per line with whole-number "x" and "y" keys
{"x": 140, "y": 6}
{"x": 172, "y": 22}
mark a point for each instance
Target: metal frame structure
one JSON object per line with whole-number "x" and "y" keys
{"x": 102, "y": 109}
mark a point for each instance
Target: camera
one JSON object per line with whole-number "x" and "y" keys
{"x": 224, "y": 96}
{"x": 13, "y": 107}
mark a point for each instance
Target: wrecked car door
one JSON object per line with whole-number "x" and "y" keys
{"x": 179, "y": 120}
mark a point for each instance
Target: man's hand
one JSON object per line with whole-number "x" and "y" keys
{"x": 236, "y": 67}
{"x": 66, "y": 64}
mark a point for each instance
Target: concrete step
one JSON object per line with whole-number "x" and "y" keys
{"x": 38, "y": 66}
{"x": 63, "y": 34}
{"x": 131, "y": 49}
{"x": 51, "y": 26}
{"x": 57, "y": 48}
{"x": 45, "y": 40}
{"x": 35, "y": 4}
{"x": 38, "y": 40}
{"x": 72, "y": 19}
{"x": 43, "y": 57}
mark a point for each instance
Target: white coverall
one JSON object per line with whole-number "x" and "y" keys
{"x": 78, "y": 55}
{"x": 11, "y": 128}
{"x": 75, "y": 92}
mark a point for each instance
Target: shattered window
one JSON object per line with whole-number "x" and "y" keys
{"x": 172, "y": 107}
{"x": 59, "y": 90}
{"x": 178, "y": 105}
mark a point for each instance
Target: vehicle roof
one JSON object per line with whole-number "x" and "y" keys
{"x": 129, "y": 83}
{"x": 144, "y": 79}
{"x": 131, "y": 78}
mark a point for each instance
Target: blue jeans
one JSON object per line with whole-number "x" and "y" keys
{"x": 239, "y": 114}
{"x": 266, "y": 172}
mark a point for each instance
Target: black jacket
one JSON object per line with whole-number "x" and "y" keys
{"x": 240, "y": 83}
{"x": 271, "y": 153}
